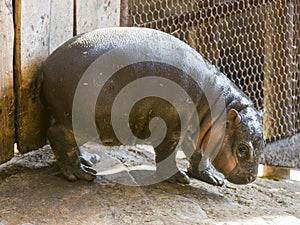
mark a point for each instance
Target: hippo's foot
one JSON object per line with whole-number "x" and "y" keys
{"x": 69, "y": 159}
{"x": 201, "y": 169}
{"x": 209, "y": 176}
{"x": 179, "y": 177}
{"x": 79, "y": 172}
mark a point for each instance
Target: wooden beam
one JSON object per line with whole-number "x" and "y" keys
{"x": 7, "y": 130}
{"x": 40, "y": 27}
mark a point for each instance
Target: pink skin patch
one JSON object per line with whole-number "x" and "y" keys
{"x": 225, "y": 163}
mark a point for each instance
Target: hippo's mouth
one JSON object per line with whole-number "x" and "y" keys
{"x": 240, "y": 175}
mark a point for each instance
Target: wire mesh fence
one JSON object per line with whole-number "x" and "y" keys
{"x": 254, "y": 42}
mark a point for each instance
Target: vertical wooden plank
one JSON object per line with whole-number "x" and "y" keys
{"x": 93, "y": 14}
{"x": 279, "y": 71}
{"x": 125, "y": 13}
{"x": 6, "y": 81}
{"x": 269, "y": 91}
{"x": 31, "y": 50}
{"x": 61, "y": 23}
{"x": 41, "y": 26}
{"x": 280, "y": 85}
{"x": 297, "y": 63}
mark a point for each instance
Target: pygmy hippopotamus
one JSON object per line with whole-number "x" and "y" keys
{"x": 178, "y": 95}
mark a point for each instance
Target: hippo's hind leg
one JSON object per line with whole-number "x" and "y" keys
{"x": 67, "y": 154}
{"x": 165, "y": 157}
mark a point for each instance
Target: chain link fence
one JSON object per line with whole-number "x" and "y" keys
{"x": 255, "y": 43}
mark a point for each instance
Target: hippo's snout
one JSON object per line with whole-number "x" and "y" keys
{"x": 242, "y": 176}
{"x": 244, "y": 179}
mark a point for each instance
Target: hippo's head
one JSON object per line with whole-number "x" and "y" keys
{"x": 242, "y": 146}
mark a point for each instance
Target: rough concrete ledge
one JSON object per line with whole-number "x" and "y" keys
{"x": 284, "y": 153}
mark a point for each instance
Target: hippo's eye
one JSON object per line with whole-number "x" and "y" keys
{"x": 242, "y": 151}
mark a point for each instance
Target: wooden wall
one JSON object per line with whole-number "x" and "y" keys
{"x": 29, "y": 31}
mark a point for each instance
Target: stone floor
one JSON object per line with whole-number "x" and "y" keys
{"x": 32, "y": 191}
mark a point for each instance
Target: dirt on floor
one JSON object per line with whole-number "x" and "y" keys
{"x": 32, "y": 191}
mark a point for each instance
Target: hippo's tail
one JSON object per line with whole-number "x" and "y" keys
{"x": 41, "y": 100}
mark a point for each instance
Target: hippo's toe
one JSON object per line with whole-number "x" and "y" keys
{"x": 82, "y": 172}
{"x": 179, "y": 177}
{"x": 209, "y": 176}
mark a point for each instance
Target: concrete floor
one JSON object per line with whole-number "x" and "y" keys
{"x": 32, "y": 191}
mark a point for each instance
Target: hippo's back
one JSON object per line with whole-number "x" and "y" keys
{"x": 65, "y": 67}
{"x": 144, "y": 52}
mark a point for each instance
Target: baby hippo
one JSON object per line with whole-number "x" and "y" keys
{"x": 179, "y": 101}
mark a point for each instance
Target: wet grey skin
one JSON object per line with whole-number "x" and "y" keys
{"x": 236, "y": 152}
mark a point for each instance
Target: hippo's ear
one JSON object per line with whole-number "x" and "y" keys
{"x": 233, "y": 116}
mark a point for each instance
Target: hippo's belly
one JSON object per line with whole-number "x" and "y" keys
{"x": 60, "y": 91}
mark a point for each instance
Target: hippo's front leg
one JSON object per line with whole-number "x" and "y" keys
{"x": 201, "y": 169}
{"x": 165, "y": 155}
{"x": 67, "y": 154}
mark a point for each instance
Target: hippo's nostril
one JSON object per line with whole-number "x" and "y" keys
{"x": 250, "y": 178}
